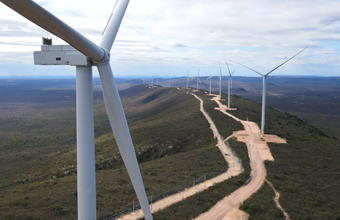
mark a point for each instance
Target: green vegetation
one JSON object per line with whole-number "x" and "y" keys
{"x": 173, "y": 144}
{"x": 57, "y": 198}
{"x": 202, "y": 202}
{"x": 224, "y": 124}
{"x": 263, "y": 208}
{"x": 305, "y": 169}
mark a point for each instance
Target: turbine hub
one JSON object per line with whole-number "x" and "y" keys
{"x": 105, "y": 59}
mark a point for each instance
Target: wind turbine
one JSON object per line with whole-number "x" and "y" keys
{"x": 188, "y": 80}
{"x": 229, "y": 84}
{"x": 264, "y": 76}
{"x": 198, "y": 78}
{"x": 220, "y": 80}
{"x": 157, "y": 81}
{"x": 84, "y": 57}
{"x": 169, "y": 80}
{"x": 152, "y": 80}
{"x": 211, "y": 78}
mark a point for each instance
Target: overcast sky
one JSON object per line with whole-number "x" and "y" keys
{"x": 171, "y": 37}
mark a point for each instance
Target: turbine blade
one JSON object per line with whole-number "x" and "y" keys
{"x": 113, "y": 25}
{"x": 233, "y": 72}
{"x": 122, "y": 135}
{"x": 247, "y": 67}
{"x": 220, "y": 69}
{"x": 228, "y": 68}
{"x": 52, "y": 24}
{"x": 285, "y": 61}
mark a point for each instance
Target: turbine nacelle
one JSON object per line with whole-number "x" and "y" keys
{"x": 61, "y": 55}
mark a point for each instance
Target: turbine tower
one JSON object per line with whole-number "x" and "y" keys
{"x": 84, "y": 57}
{"x": 211, "y": 78}
{"x": 220, "y": 80}
{"x": 229, "y": 84}
{"x": 169, "y": 80}
{"x": 264, "y": 76}
{"x": 198, "y": 78}
{"x": 188, "y": 80}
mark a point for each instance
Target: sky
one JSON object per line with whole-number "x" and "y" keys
{"x": 163, "y": 38}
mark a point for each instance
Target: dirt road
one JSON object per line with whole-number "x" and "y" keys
{"x": 234, "y": 169}
{"x": 258, "y": 151}
{"x": 258, "y": 174}
{"x": 276, "y": 199}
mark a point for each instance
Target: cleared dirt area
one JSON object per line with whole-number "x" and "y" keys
{"x": 236, "y": 214}
{"x": 234, "y": 169}
{"x": 258, "y": 151}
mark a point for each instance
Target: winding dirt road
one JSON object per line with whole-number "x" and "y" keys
{"x": 258, "y": 152}
{"x": 234, "y": 169}
{"x": 257, "y": 175}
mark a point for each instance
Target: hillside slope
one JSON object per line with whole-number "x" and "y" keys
{"x": 172, "y": 139}
{"x": 305, "y": 170}
{"x": 173, "y": 144}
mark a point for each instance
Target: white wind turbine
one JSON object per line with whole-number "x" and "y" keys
{"x": 169, "y": 80}
{"x": 229, "y": 84}
{"x": 188, "y": 80}
{"x": 198, "y": 79}
{"x": 211, "y": 78}
{"x": 264, "y": 76}
{"x": 220, "y": 80}
{"x": 90, "y": 54}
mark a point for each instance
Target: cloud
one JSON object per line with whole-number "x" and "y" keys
{"x": 179, "y": 45}
{"x": 154, "y": 33}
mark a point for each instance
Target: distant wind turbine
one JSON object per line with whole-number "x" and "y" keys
{"x": 264, "y": 76}
{"x": 220, "y": 80}
{"x": 152, "y": 80}
{"x": 211, "y": 78}
{"x": 188, "y": 80}
{"x": 198, "y": 78}
{"x": 169, "y": 80}
{"x": 229, "y": 84}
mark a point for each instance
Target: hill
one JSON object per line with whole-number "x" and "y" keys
{"x": 304, "y": 171}
{"x": 313, "y": 99}
{"x": 38, "y": 150}
{"x": 173, "y": 144}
